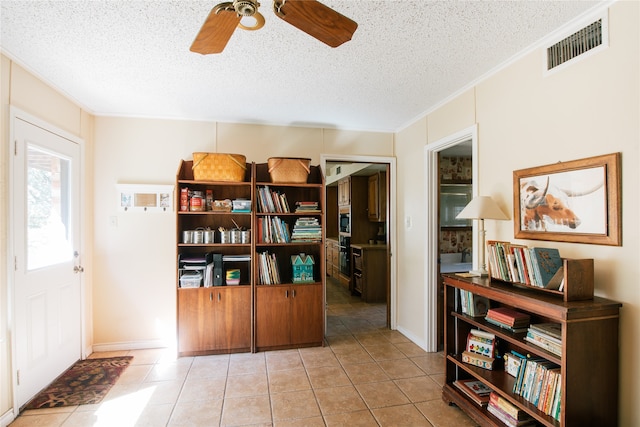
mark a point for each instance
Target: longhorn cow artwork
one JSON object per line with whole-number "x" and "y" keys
{"x": 547, "y": 206}
{"x": 576, "y": 201}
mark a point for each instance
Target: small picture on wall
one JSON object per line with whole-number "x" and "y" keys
{"x": 575, "y": 201}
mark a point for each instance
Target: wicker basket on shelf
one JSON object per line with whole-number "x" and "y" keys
{"x": 219, "y": 167}
{"x": 288, "y": 170}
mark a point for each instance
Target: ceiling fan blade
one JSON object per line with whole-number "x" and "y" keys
{"x": 216, "y": 30}
{"x": 317, "y": 20}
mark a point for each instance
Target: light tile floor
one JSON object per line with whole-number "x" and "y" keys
{"x": 365, "y": 375}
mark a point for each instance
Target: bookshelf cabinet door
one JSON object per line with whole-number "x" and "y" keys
{"x": 306, "y": 314}
{"x": 273, "y": 316}
{"x": 232, "y": 317}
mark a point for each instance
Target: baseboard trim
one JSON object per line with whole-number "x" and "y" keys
{"x": 7, "y": 418}
{"x": 416, "y": 340}
{"x": 129, "y": 345}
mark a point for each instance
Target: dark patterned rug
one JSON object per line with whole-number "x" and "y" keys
{"x": 86, "y": 382}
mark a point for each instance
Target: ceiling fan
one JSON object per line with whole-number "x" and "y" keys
{"x": 310, "y": 16}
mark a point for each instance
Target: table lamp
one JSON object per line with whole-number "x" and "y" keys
{"x": 481, "y": 208}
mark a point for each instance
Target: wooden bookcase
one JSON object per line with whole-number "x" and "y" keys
{"x": 214, "y": 319}
{"x": 248, "y": 317}
{"x": 588, "y": 364}
{"x": 289, "y": 315}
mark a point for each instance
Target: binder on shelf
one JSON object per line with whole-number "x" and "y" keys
{"x": 218, "y": 279}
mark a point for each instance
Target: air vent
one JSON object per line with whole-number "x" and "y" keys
{"x": 576, "y": 44}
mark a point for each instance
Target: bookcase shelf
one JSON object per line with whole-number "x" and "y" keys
{"x": 506, "y": 258}
{"x": 589, "y": 339}
{"x": 249, "y": 316}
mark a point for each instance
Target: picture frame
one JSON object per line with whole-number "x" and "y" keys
{"x": 578, "y": 201}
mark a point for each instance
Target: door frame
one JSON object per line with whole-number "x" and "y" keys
{"x": 391, "y": 220}
{"x": 431, "y": 278}
{"x": 18, "y": 114}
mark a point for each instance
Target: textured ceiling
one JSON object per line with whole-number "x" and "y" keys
{"x": 132, "y": 58}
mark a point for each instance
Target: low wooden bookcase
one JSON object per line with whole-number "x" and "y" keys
{"x": 588, "y": 363}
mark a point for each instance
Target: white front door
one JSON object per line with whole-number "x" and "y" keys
{"x": 46, "y": 241}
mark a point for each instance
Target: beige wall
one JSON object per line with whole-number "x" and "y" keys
{"x": 134, "y": 262}
{"x": 525, "y": 119}
{"x": 26, "y": 92}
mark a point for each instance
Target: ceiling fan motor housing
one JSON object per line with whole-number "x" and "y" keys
{"x": 246, "y": 7}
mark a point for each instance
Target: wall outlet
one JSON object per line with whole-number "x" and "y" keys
{"x": 407, "y": 222}
{"x": 113, "y": 221}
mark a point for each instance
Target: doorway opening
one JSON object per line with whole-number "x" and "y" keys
{"x": 441, "y": 222}
{"x": 359, "y": 218}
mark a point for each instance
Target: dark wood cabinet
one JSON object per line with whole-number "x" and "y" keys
{"x": 588, "y": 361}
{"x": 369, "y": 272}
{"x": 289, "y": 316}
{"x": 215, "y": 319}
{"x": 377, "y": 202}
{"x": 332, "y": 253}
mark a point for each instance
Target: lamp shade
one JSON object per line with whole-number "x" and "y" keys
{"x": 482, "y": 207}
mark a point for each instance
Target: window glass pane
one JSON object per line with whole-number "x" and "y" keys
{"x": 48, "y": 198}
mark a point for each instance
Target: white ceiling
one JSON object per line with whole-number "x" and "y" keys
{"x": 132, "y": 58}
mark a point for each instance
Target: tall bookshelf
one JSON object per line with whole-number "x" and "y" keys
{"x": 289, "y": 314}
{"x": 249, "y": 316}
{"x": 588, "y": 361}
{"x": 214, "y": 319}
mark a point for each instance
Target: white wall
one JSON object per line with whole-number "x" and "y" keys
{"x": 525, "y": 119}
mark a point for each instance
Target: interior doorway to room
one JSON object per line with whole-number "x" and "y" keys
{"x": 455, "y": 243}
{"x": 358, "y": 229}
{"x": 464, "y": 142}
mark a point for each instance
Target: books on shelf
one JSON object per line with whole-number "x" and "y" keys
{"x": 477, "y": 391}
{"x": 307, "y": 229}
{"x": 273, "y": 230}
{"x": 547, "y": 336}
{"x": 473, "y": 305}
{"x": 507, "y": 413}
{"x": 307, "y": 207}
{"x": 268, "y": 272}
{"x": 508, "y": 318}
{"x": 272, "y": 201}
{"x": 538, "y": 267}
{"x": 539, "y": 382}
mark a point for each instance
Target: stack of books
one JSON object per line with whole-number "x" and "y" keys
{"x": 307, "y": 207}
{"x": 507, "y": 413}
{"x": 546, "y": 335}
{"x": 539, "y": 267}
{"x": 508, "y": 318}
{"x": 476, "y": 390}
{"x": 307, "y": 229}
{"x": 539, "y": 382}
{"x": 473, "y": 305}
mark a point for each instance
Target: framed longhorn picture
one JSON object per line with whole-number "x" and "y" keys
{"x": 577, "y": 201}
